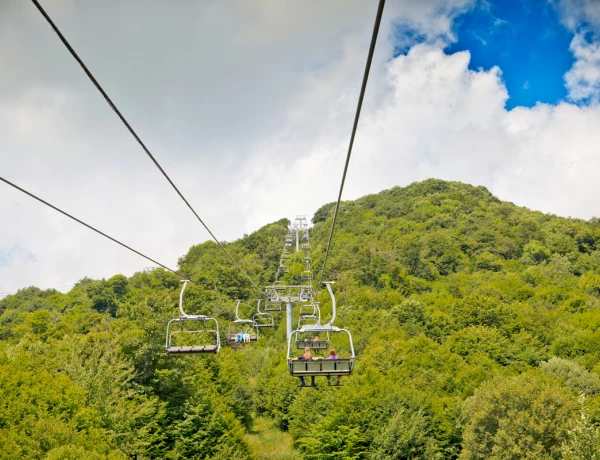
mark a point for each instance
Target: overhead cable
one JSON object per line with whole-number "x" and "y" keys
{"x": 354, "y": 127}
{"x": 137, "y": 138}
{"x": 90, "y": 227}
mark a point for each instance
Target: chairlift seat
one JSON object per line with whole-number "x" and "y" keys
{"x": 321, "y": 367}
{"x": 262, "y": 320}
{"x": 192, "y": 349}
{"x": 253, "y": 338}
{"x": 318, "y": 345}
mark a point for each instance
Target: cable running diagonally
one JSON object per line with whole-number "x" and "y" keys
{"x": 91, "y": 228}
{"x": 354, "y": 128}
{"x": 137, "y": 138}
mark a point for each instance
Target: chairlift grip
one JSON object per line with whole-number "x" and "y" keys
{"x": 333, "y": 305}
{"x": 185, "y": 282}
{"x": 237, "y": 316}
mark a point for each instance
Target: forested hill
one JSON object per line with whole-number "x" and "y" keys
{"x": 476, "y": 325}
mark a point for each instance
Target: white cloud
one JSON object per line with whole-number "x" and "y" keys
{"x": 436, "y": 118}
{"x": 575, "y": 12}
{"x": 582, "y": 17}
{"x": 583, "y": 79}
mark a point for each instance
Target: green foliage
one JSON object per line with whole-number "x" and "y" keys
{"x": 516, "y": 417}
{"x": 457, "y": 303}
{"x": 583, "y": 442}
{"x": 407, "y": 435}
{"x": 573, "y": 374}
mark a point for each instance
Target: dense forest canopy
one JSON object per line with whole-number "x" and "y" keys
{"x": 476, "y": 325}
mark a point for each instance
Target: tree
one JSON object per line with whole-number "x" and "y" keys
{"x": 523, "y": 417}
{"x": 406, "y": 436}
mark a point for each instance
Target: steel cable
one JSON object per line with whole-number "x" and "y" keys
{"x": 137, "y": 138}
{"x": 354, "y": 128}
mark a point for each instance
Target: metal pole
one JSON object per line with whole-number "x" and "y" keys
{"x": 288, "y": 316}
{"x": 297, "y": 240}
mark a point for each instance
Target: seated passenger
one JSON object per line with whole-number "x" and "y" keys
{"x": 239, "y": 337}
{"x": 332, "y": 355}
{"x": 306, "y": 356}
{"x": 315, "y": 338}
{"x": 246, "y": 336}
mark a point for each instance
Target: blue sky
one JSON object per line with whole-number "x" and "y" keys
{"x": 526, "y": 40}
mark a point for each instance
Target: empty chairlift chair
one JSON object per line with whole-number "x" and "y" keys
{"x": 309, "y": 313}
{"x": 263, "y": 319}
{"x": 306, "y": 277}
{"x": 184, "y": 333}
{"x": 246, "y": 327}
{"x": 320, "y": 367}
{"x": 272, "y": 306}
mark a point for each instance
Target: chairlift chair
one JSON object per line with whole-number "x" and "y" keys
{"x": 272, "y": 306}
{"x": 312, "y": 341}
{"x": 309, "y": 312}
{"x": 263, "y": 319}
{"x": 306, "y": 276}
{"x": 239, "y": 325}
{"x": 320, "y": 367}
{"x": 196, "y": 325}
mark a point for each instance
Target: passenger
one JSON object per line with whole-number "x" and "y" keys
{"x": 246, "y": 336}
{"x": 332, "y": 356}
{"x": 239, "y": 337}
{"x": 316, "y": 338}
{"x": 306, "y": 356}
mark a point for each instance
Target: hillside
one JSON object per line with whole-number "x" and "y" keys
{"x": 476, "y": 324}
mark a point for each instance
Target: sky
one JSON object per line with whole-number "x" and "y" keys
{"x": 248, "y": 105}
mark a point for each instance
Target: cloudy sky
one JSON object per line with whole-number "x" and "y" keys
{"x": 248, "y": 105}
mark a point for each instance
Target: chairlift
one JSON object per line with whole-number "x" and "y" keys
{"x": 306, "y": 247}
{"x": 309, "y": 312}
{"x": 306, "y": 276}
{"x": 306, "y": 293}
{"x": 312, "y": 341}
{"x": 320, "y": 367}
{"x": 242, "y": 330}
{"x": 272, "y": 306}
{"x": 307, "y": 261}
{"x": 184, "y": 339}
{"x": 263, "y": 319}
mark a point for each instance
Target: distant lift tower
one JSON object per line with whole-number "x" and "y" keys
{"x": 300, "y": 225}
